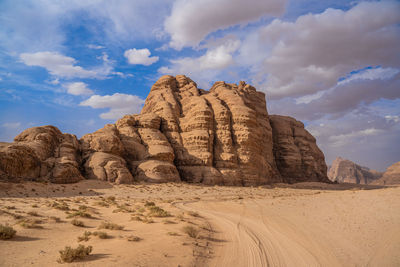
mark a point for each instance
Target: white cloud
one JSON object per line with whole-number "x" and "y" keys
{"x": 313, "y": 52}
{"x": 92, "y": 46}
{"x": 140, "y": 56}
{"x": 57, "y": 64}
{"x": 393, "y": 118}
{"x": 191, "y": 21}
{"x": 11, "y": 125}
{"x": 78, "y": 88}
{"x": 348, "y": 138}
{"x": 119, "y": 104}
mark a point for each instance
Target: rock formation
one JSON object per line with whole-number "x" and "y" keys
{"x": 221, "y": 136}
{"x": 346, "y": 171}
{"x": 391, "y": 176}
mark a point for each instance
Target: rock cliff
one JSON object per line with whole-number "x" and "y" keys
{"x": 221, "y": 136}
{"x": 346, "y": 171}
{"x": 391, "y": 176}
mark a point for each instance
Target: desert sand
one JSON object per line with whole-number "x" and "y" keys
{"x": 306, "y": 224}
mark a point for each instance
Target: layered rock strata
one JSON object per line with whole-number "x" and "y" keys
{"x": 221, "y": 136}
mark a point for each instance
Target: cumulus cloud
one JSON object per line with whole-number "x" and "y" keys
{"x": 140, "y": 56}
{"x": 118, "y": 104}
{"x": 204, "y": 68}
{"x": 92, "y": 46}
{"x": 191, "y": 21}
{"x": 57, "y": 64}
{"x": 78, "y": 88}
{"x": 313, "y": 52}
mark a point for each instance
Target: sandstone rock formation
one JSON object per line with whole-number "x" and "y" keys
{"x": 346, "y": 171}
{"x": 221, "y": 136}
{"x": 391, "y": 176}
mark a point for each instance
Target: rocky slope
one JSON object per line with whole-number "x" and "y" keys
{"x": 391, "y": 176}
{"x": 221, "y": 136}
{"x": 346, "y": 171}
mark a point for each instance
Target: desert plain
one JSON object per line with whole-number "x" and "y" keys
{"x": 180, "y": 224}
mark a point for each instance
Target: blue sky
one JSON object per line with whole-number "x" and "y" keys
{"x": 335, "y": 65}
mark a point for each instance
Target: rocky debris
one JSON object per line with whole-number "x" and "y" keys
{"x": 391, "y": 176}
{"x": 221, "y": 136}
{"x": 346, "y": 171}
{"x": 42, "y": 153}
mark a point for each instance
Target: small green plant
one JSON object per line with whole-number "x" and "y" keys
{"x": 110, "y": 226}
{"x": 101, "y": 235}
{"x": 191, "y": 231}
{"x": 6, "y": 232}
{"x": 78, "y": 223}
{"x": 69, "y": 254}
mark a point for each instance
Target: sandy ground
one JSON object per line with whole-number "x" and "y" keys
{"x": 308, "y": 224}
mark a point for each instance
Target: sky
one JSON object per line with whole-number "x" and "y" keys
{"x": 334, "y": 65}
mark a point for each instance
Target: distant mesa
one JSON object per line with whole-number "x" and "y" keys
{"x": 346, "y": 171}
{"x": 221, "y": 136}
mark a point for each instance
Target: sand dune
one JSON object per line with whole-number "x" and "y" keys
{"x": 309, "y": 224}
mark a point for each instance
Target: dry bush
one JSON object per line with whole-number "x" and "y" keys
{"x": 54, "y": 219}
{"x": 158, "y": 212}
{"x": 110, "y": 226}
{"x": 193, "y": 213}
{"x": 133, "y": 238}
{"x": 191, "y": 231}
{"x": 69, "y": 254}
{"x": 84, "y": 237}
{"x": 30, "y": 223}
{"x": 60, "y": 205}
{"x": 6, "y": 232}
{"x": 79, "y": 213}
{"x": 137, "y": 218}
{"x": 149, "y": 204}
{"x": 77, "y": 223}
{"x": 101, "y": 235}
{"x": 33, "y": 213}
{"x": 147, "y": 220}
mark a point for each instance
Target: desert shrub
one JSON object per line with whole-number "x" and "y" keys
{"x": 84, "y": 237}
{"x": 147, "y": 220}
{"x": 60, "y": 206}
{"x": 77, "y": 223}
{"x": 54, "y": 219}
{"x": 137, "y": 218}
{"x": 133, "y": 238}
{"x": 79, "y": 213}
{"x": 110, "y": 226}
{"x": 10, "y": 207}
{"x": 102, "y": 204}
{"x": 158, "y": 212}
{"x": 30, "y": 223}
{"x": 102, "y": 235}
{"x": 35, "y": 206}
{"x": 191, "y": 231}
{"x": 69, "y": 254}
{"x": 6, "y": 232}
{"x": 149, "y": 204}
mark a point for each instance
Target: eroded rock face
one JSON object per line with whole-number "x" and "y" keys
{"x": 42, "y": 153}
{"x": 346, "y": 171}
{"x": 391, "y": 176}
{"x": 221, "y": 136}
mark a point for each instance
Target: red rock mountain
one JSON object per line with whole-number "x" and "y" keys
{"x": 346, "y": 171}
{"x": 221, "y": 136}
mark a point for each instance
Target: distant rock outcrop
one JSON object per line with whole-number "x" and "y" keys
{"x": 346, "y": 171}
{"x": 221, "y": 136}
{"x": 391, "y": 176}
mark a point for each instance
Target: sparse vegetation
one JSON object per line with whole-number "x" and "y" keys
{"x": 30, "y": 223}
{"x": 101, "y": 235}
{"x": 191, "y": 231}
{"x": 6, "y": 232}
{"x": 156, "y": 211}
{"x": 60, "y": 205}
{"x": 77, "y": 223}
{"x": 149, "y": 204}
{"x": 84, "y": 237}
{"x": 110, "y": 226}
{"x": 33, "y": 213}
{"x": 54, "y": 219}
{"x": 69, "y": 254}
{"x": 79, "y": 213}
{"x": 133, "y": 238}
